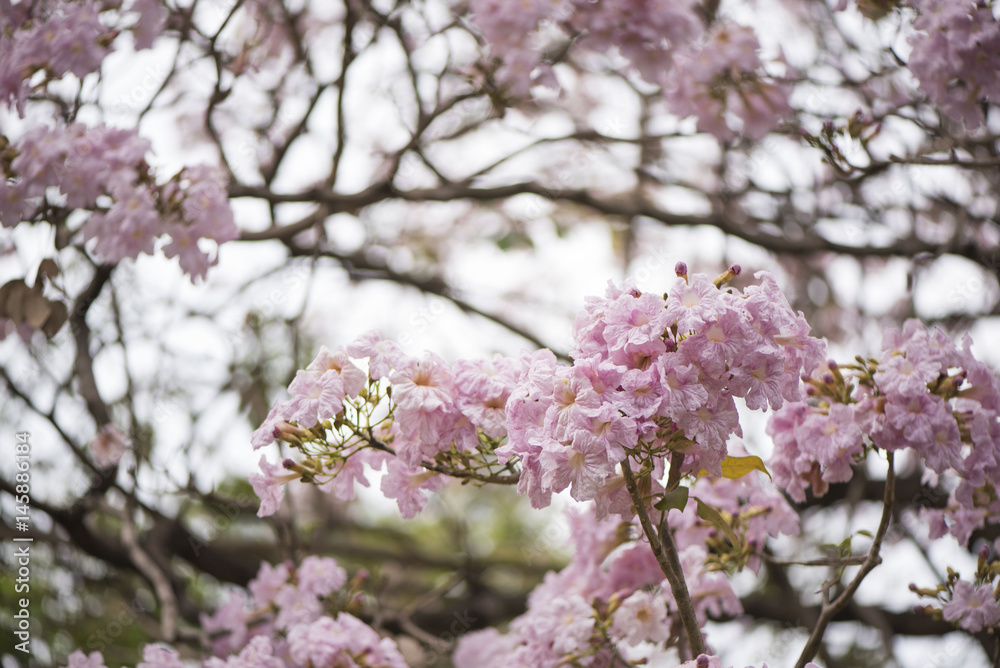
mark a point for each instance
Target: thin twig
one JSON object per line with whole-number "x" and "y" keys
{"x": 831, "y": 608}
{"x": 832, "y": 562}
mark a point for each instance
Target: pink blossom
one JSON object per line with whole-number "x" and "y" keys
{"x": 320, "y": 576}
{"x": 423, "y": 384}
{"x": 314, "y": 399}
{"x": 832, "y": 440}
{"x": 296, "y": 606}
{"x": 383, "y": 355}
{"x": 410, "y": 486}
{"x": 903, "y": 375}
{"x": 319, "y": 643}
{"x": 151, "y": 21}
{"x": 956, "y": 56}
{"x": 154, "y": 656}
{"x": 642, "y": 617}
{"x": 485, "y": 648}
{"x": 269, "y": 485}
{"x": 337, "y": 363}
{"x": 269, "y": 581}
{"x": 108, "y": 446}
{"x": 693, "y": 304}
{"x": 584, "y": 465}
{"x": 228, "y": 624}
{"x": 973, "y": 608}
{"x": 720, "y": 82}
{"x": 351, "y": 470}
{"x": 80, "y": 660}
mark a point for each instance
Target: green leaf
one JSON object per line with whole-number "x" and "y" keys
{"x": 678, "y": 498}
{"x": 713, "y": 517}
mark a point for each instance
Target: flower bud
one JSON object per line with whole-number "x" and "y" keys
{"x": 729, "y": 274}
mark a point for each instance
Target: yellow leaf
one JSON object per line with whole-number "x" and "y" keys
{"x": 737, "y": 467}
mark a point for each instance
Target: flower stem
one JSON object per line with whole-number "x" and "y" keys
{"x": 665, "y": 551}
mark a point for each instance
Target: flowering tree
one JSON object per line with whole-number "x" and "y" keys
{"x": 183, "y": 182}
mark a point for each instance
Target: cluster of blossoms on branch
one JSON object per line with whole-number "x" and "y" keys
{"x": 103, "y": 170}
{"x": 650, "y": 392}
{"x": 713, "y": 73}
{"x": 924, "y": 395}
{"x": 51, "y": 170}
{"x": 44, "y": 41}
{"x": 652, "y": 385}
{"x": 956, "y": 55}
{"x": 972, "y": 605}
{"x": 652, "y": 376}
{"x": 294, "y": 617}
{"x": 710, "y": 68}
{"x": 612, "y": 601}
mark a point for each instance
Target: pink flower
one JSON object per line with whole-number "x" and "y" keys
{"x": 326, "y": 643}
{"x": 264, "y": 434}
{"x": 719, "y": 82}
{"x": 955, "y": 56}
{"x": 154, "y": 656}
{"x": 80, "y": 660}
{"x": 486, "y": 648}
{"x": 425, "y": 384}
{"x": 382, "y": 355}
{"x": 832, "y": 440}
{"x": 319, "y": 643}
{"x": 268, "y": 485}
{"x": 151, "y": 22}
{"x": 352, "y": 378}
{"x": 974, "y": 609}
{"x": 904, "y": 375}
{"x": 296, "y": 606}
{"x": 258, "y": 653}
{"x": 320, "y": 576}
{"x": 314, "y": 399}
{"x": 693, "y": 304}
{"x": 269, "y": 581}
{"x": 410, "y": 486}
{"x": 585, "y": 465}
{"x": 566, "y": 621}
{"x": 108, "y": 446}
{"x": 227, "y": 626}
{"x": 642, "y": 617}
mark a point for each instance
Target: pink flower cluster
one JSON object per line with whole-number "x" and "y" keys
{"x": 661, "y": 371}
{"x": 719, "y": 82}
{"x": 645, "y": 32}
{"x": 61, "y": 37}
{"x": 104, "y": 170}
{"x": 616, "y": 583}
{"x": 282, "y": 624}
{"x": 436, "y": 408}
{"x": 658, "y": 371}
{"x": 956, "y": 56}
{"x": 715, "y": 76}
{"x": 925, "y": 395}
